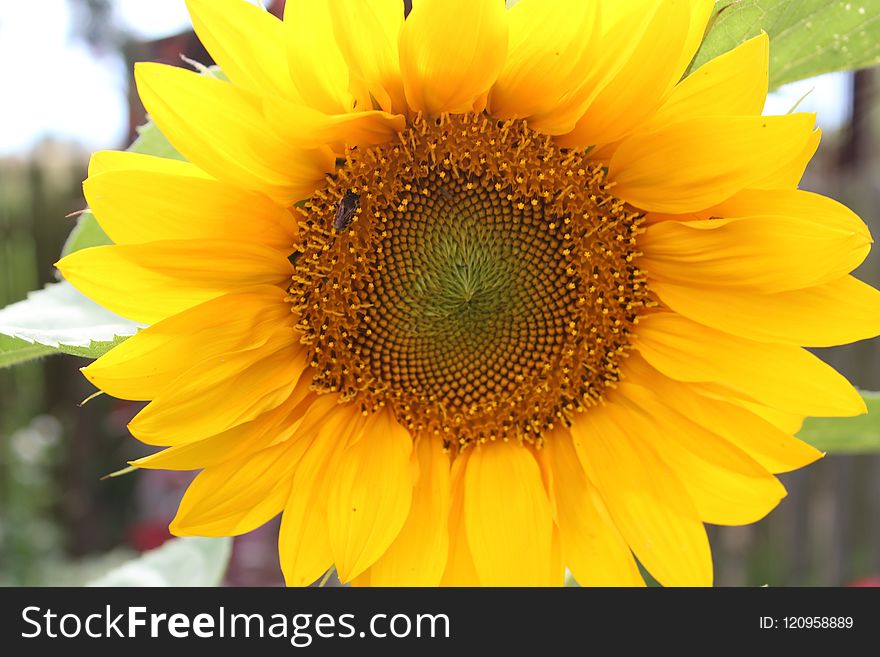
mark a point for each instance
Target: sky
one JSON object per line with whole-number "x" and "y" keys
{"x": 53, "y": 85}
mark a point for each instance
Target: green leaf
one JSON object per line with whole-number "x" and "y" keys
{"x": 848, "y": 435}
{"x": 14, "y": 351}
{"x": 151, "y": 141}
{"x": 190, "y": 561}
{"x": 85, "y": 234}
{"x": 58, "y": 319}
{"x": 807, "y": 37}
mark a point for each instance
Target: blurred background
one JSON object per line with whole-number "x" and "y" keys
{"x": 65, "y": 75}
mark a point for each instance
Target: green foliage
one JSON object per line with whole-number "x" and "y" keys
{"x": 191, "y": 561}
{"x": 14, "y": 351}
{"x": 151, "y": 141}
{"x": 807, "y": 37}
{"x": 851, "y": 435}
{"x": 85, "y": 234}
{"x": 58, "y": 319}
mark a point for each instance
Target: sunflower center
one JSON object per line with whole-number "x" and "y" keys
{"x": 471, "y": 275}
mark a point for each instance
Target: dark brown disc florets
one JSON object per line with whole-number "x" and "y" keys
{"x": 483, "y": 287}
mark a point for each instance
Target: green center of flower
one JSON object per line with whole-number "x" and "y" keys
{"x": 472, "y": 275}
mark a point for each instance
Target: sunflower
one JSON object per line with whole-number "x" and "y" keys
{"x": 475, "y": 295}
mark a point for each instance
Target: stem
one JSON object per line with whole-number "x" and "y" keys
{"x": 326, "y": 577}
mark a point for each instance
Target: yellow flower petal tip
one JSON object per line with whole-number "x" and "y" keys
{"x": 474, "y": 297}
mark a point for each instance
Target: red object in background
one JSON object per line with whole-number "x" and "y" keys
{"x": 147, "y": 535}
{"x": 866, "y": 582}
{"x": 276, "y": 7}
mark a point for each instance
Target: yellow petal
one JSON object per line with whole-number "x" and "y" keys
{"x": 107, "y": 161}
{"x": 362, "y": 580}
{"x": 839, "y": 312}
{"x": 239, "y": 495}
{"x": 787, "y": 174}
{"x": 615, "y": 40}
{"x": 247, "y": 42}
{"x": 645, "y": 499}
{"x": 418, "y": 555}
{"x": 592, "y": 547}
{"x": 697, "y": 163}
{"x": 193, "y": 111}
{"x": 785, "y": 421}
{"x": 149, "y": 282}
{"x": 551, "y": 52}
{"x": 222, "y": 392}
{"x": 451, "y": 52}
{"x": 734, "y": 83}
{"x": 781, "y": 376}
{"x": 557, "y": 566}
{"x": 665, "y": 36}
{"x": 762, "y": 254}
{"x": 316, "y": 63}
{"x": 370, "y": 495}
{"x": 508, "y": 518}
{"x": 266, "y": 430}
{"x": 460, "y": 569}
{"x": 773, "y": 448}
{"x": 726, "y": 485}
{"x": 308, "y": 128}
{"x": 700, "y": 12}
{"x": 367, "y": 34}
{"x": 789, "y": 423}
{"x": 139, "y": 198}
{"x": 304, "y": 538}
{"x": 143, "y": 366}
{"x": 798, "y": 204}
